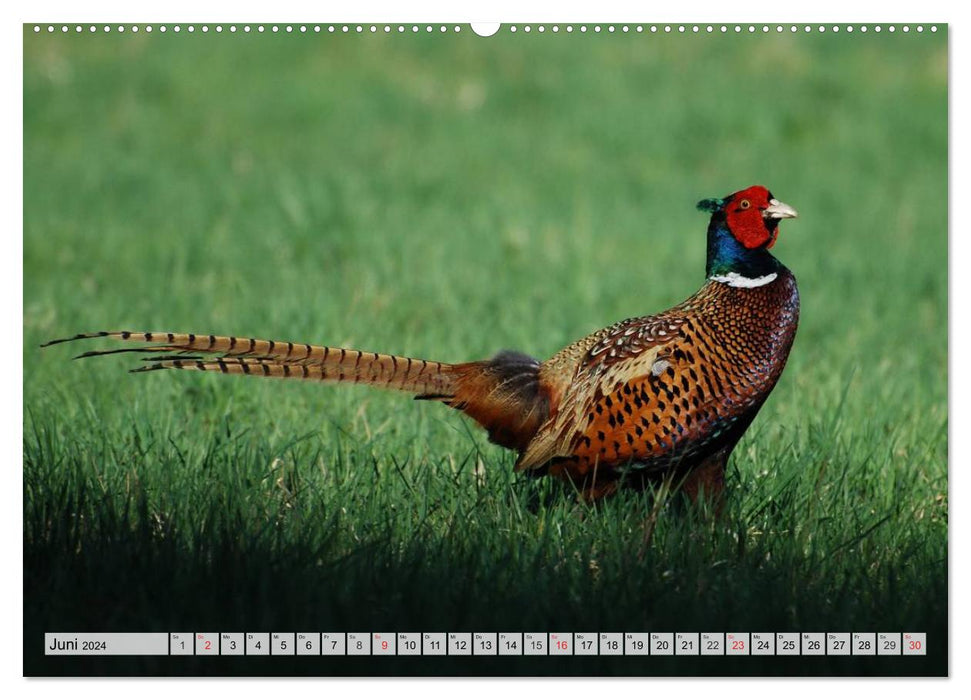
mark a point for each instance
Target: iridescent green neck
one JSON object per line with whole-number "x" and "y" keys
{"x": 726, "y": 255}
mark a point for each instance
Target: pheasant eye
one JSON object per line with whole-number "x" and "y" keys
{"x": 744, "y": 204}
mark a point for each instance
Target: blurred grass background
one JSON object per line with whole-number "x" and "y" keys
{"x": 447, "y": 196}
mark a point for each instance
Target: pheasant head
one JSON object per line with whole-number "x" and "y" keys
{"x": 743, "y": 226}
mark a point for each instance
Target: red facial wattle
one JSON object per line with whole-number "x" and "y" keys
{"x": 753, "y": 216}
{"x": 743, "y": 215}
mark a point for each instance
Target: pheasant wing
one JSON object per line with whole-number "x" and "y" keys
{"x": 583, "y": 373}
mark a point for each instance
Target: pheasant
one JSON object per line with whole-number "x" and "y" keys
{"x": 668, "y": 394}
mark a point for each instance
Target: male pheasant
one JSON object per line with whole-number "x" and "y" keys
{"x": 662, "y": 394}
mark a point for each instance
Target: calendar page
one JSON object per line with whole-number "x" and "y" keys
{"x": 597, "y": 349}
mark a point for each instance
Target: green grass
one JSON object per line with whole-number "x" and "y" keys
{"x": 446, "y": 197}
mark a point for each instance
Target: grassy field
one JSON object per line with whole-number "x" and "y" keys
{"x": 448, "y": 196}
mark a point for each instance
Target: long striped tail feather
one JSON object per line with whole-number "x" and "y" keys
{"x": 273, "y": 358}
{"x": 502, "y": 394}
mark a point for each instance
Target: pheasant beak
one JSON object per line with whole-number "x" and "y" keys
{"x": 778, "y": 210}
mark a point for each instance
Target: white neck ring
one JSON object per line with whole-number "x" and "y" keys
{"x": 734, "y": 279}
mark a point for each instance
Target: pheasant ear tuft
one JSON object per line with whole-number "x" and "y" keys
{"x": 711, "y": 205}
